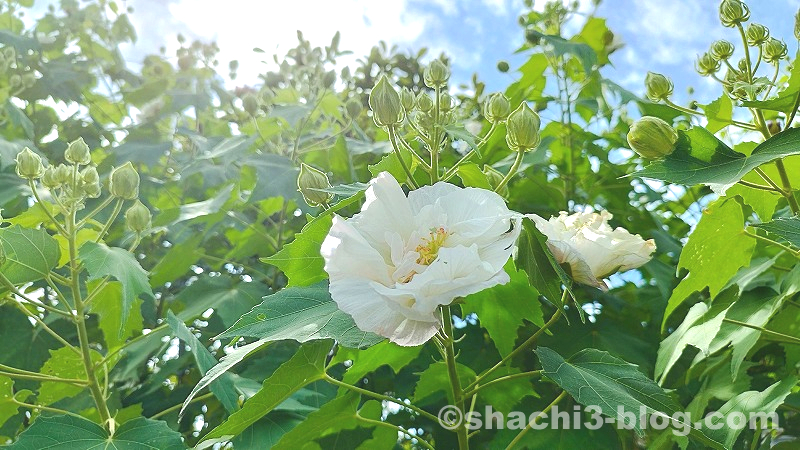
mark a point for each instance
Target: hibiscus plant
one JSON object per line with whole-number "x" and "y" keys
{"x": 373, "y": 257}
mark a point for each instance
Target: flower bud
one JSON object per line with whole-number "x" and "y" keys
{"x": 124, "y": 182}
{"x": 63, "y": 174}
{"x": 775, "y": 50}
{"x": 446, "y": 102}
{"x": 137, "y": 217}
{"x": 658, "y": 86}
{"x": 424, "y": 102}
{"x": 78, "y": 152}
{"x": 407, "y": 99}
{"x": 522, "y": 129}
{"x": 91, "y": 190}
{"x": 707, "y": 65}
{"x": 353, "y": 108}
{"x": 497, "y": 108}
{"x": 89, "y": 175}
{"x": 757, "y": 34}
{"x": 503, "y": 66}
{"x": 742, "y": 65}
{"x": 29, "y": 165}
{"x": 652, "y": 138}
{"x": 387, "y": 110}
{"x": 311, "y": 179}
{"x": 250, "y": 104}
{"x": 49, "y": 179}
{"x": 722, "y": 50}
{"x": 328, "y": 79}
{"x": 436, "y": 74}
{"x": 733, "y": 12}
{"x": 495, "y": 177}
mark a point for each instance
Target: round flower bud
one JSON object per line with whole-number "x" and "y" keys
{"x": 91, "y": 190}
{"x": 652, "y": 138}
{"x": 250, "y": 104}
{"x": 497, "y": 108}
{"x": 78, "y": 152}
{"x": 308, "y": 183}
{"x": 29, "y": 165}
{"x": 722, "y": 50}
{"x": 124, "y": 182}
{"x": 733, "y": 12}
{"x": 757, "y": 34}
{"x": 775, "y": 50}
{"x": 658, "y": 86}
{"x": 186, "y": 62}
{"x": 89, "y": 175}
{"x": 436, "y": 74}
{"x": 407, "y": 99}
{"x": 424, "y": 102}
{"x": 63, "y": 174}
{"x": 522, "y": 129}
{"x": 49, "y": 179}
{"x": 495, "y": 177}
{"x": 502, "y": 66}
{"x": 387, "y": 110}
{"x": 137, "y": 217}
{"x": 742, "y": 65}
{"x": 446, "y": 102}
{"x": 353, "y": 108}
{"x": 707, "y": 65}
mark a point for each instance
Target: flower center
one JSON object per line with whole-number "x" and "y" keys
{"x": 429, "y": 248}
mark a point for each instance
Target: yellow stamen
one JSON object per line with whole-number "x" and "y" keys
{"x": 429, "y": 249}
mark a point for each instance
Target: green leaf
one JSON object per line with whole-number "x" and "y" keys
{"x": 697, "y": 329}
{"x": 593, "y": 377}
{"x": 716, "y": 250}
{"x": 583, "y": 52}
{"x": 30, "y": 254}
{"x": 719, "y": 113}
{"x": 101, "y": 261}
{"x": 63, "y": 363}
{"x": 229, "y": 298}
{"x": 8, "y": 407}
{"x": 74, "y": 433}
{"x": 301, "y": 260}
{"x": 436, "y": 378}
{"x": 746, "y": 403}
{"x": 108, "y": 307}
{"x": 701, "y": 158}
{"x": 177, "y": 262}
{"x": 302, "y": 314}
{"x": 504, "y": 308}
{"x": 223, "y": 387}
{"x": 386, "y": 353}
{"x": 458, "y": 132}
{"x": 305, "y": 367}
{"x": 544, "y": 273}
{"x": 191, "y": 211}
{"x": 390, "y": 163}
{"x": 787, "y": 228}
{"x": 472, "y": 176}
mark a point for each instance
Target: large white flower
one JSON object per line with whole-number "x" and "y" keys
{"x": 591, "y": 248}
{"x": 393, "y": 264}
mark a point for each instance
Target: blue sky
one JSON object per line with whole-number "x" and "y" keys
{"x": 662, "y": 36}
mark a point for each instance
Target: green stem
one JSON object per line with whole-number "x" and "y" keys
{"x": 533, "y": 373}
{"x": 381, "y": 397}
{"x": 512, "y": 171}
{"x": 393, "y": 139}
{"x": 794, "y": 111}
{"x": 527, "y": 428}
{"x": 180, "y": 405}
{"x": 769, "y": 241}
{"x": 50, "y": 216}
{"x": 414, "y": 154}
{"x": 117, "y": 350}
{"x": 743, "y": 125}
{"x": 435, "y": 139}
{"x": 769, "y": 334}
{"x": 746, "y": 52}
{"x": 95, "y": 211}
{"x": 787, "y": 187}
{"x": 379, "y": 423}
{"x": 48, "y": 409}
{"x": 769, "y": 181}
{"x": 452, "y": 372}
{"x": 11, "y": 372}
{"x": 114, "y": 214}
{"x": 759, "y": 186}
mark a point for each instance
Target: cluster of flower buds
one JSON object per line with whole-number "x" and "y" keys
{"x": 652, "y": 138}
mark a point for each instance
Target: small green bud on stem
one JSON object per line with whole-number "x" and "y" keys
{"x": 407, "y": 99}
{"x": 733, "y": 12}
{"x": 658, "y": 86}
{"x": 756, "y": 34}
{"x": 436, "y": 74}
{"x": 497, "y": 108}
{"x": 29, "y": 164}
{"x": 775, "y": 50}
{"x": 311, "y": 179}
{"x": 707, "y": 65}
{"x": 124, "y": 182}
{"x": 78, "y": 152}
{"x": 522, "y": 129}
{"x": 387, "y": 109}
{"x": 652, "y": 138}
{"x": 722, "y": 50}
{"x": 250, "y": 104}
{"x": 137, "y": 217}
{"x": 495, "y": 177}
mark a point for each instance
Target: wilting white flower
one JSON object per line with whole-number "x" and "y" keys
{"x": 393, "y": 264}
{"x": 591, "y": 248}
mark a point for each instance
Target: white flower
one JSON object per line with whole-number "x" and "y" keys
{"x": 591, "y": 248}
{"x": 393, "y": 264}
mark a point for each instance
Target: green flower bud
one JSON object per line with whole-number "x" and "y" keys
{"x": 89, "y": 175}
{"x": 78, "y": 152}
{"x": 28, "y": 80}
{"x": 775, "y": 50}
{"x": 311, "y": 179}
{"x": 353, "y": 108}
{"x": 652, "y": 138}
{"x": 658, "y": 86}
{"x": 707, "y": 65}
{"x": 328, "y": 79}
{"x": 742, "y": 65}
{"x": 446, "y": 102}
{"x": 436, "y": 74}
{"x": 502, "y": 66}
{"x": 757, "y": 34}
{"x": 137, "y": 217}
{"x": 722, "y": 50}
{"x": 407, "y": 99}
{"x": 497, "y": 108}
{"x": 91, "y": 190}
{"x": 733, "y": 12}
{"x": 522, "y": 129}
{"x": 424, "y": 102}
{"x": 63, "y": 174}
{"x": 29, "y": 165}
{"x": 495, "y": 177}
{"x": 49, "y": 179}
{"x": 250, "y": 104}
{"x": 387, "y": 110}
{"x": 124, "y": 182}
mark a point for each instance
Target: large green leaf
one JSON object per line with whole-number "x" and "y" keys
{"x": 787, "y": 228}
{"x": 108, "y": 307}
{"x": 301, "y": 260}
{"x": 74, "y": 433}
{"x": 101, "y": 261}
{"x": 618, "y": 388}
{"x": 716, "y": 250}
{"x": 302, "y": 314}
{"x": 305, "y": 367}
{"x": 701, "y": 158}
{"x": 697, "y": 329}
{"x": 538, "y": 262}
{"x": 30, "y": 254}
{"x": 63, "y": 363}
